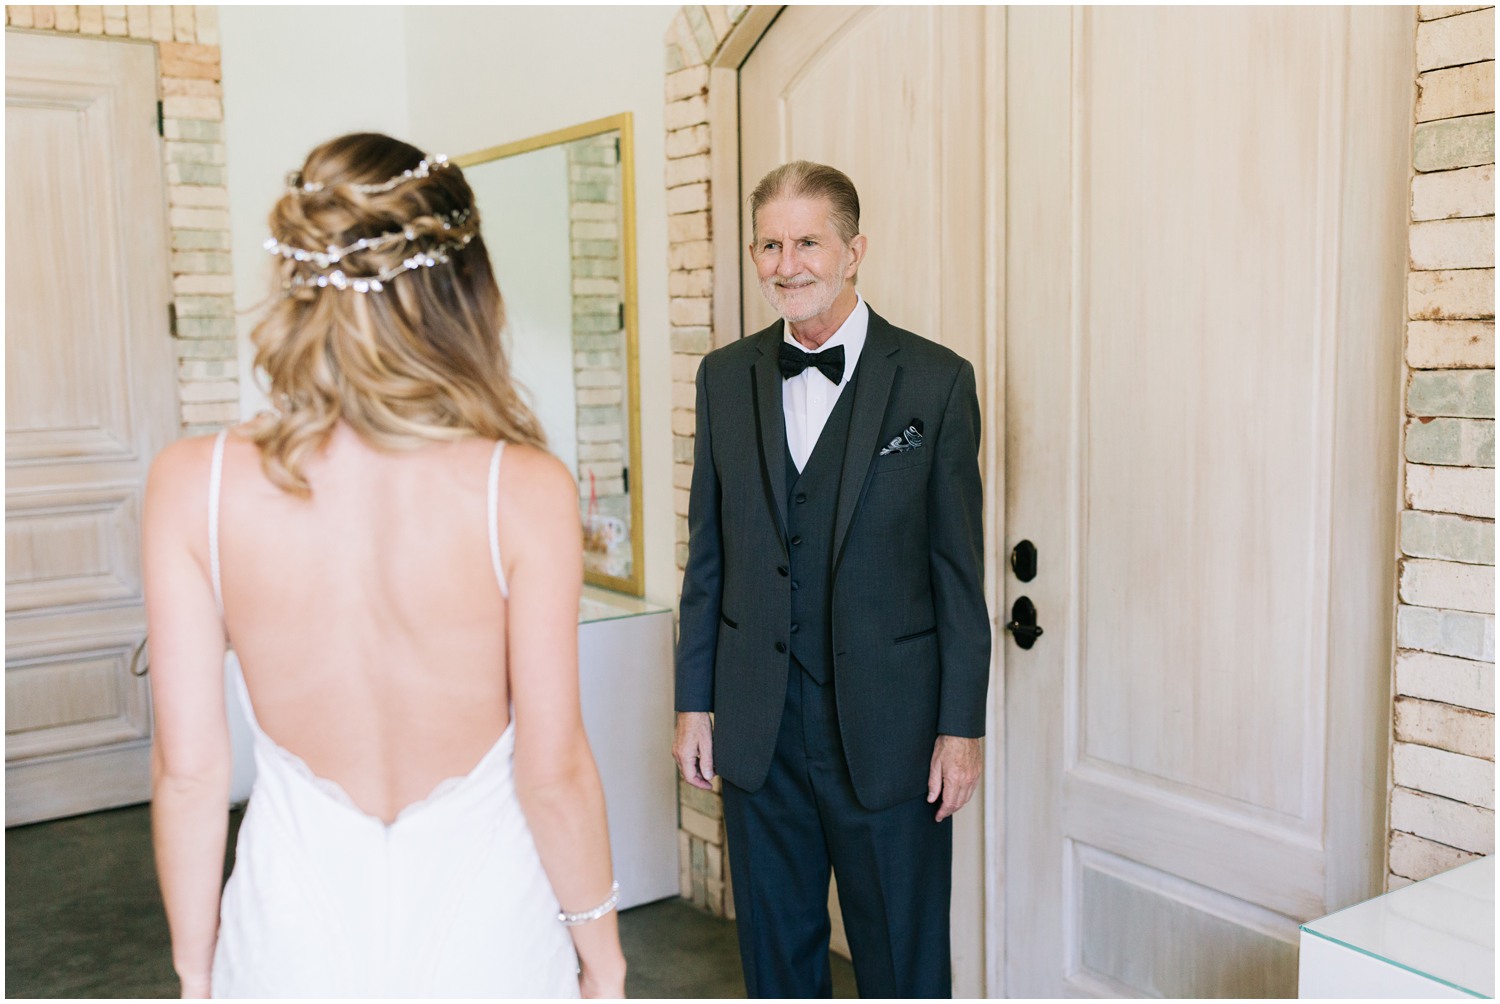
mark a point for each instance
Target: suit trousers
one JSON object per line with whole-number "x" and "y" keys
{"x": 894, "y": 868}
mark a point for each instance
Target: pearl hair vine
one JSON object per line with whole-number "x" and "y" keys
{"x": 440, "y": 255}
{"x": 332, "y": 255}
{"x": 432, "y": 162}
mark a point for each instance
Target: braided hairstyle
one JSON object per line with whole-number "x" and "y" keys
{"x": 417, "y": 361}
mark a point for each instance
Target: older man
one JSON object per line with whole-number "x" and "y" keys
{"x": 834, "y": 649}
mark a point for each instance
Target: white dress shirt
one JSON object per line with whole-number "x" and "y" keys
{"x": 808, "y": 398}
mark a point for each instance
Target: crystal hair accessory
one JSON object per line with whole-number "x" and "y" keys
{"x": 333, "y": 255}
{"x": 337, "y": 278}
{"x": 440, "y": 255}
{"x": 428, "y": 164}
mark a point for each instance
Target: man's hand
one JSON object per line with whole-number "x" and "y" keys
{"x": 956, "y": 764}
{"x": 693, "y": 748}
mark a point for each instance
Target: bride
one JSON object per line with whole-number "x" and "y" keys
{"x": 396, "y": 560}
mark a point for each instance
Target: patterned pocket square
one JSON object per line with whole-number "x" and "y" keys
{"x": 907, "y": 441}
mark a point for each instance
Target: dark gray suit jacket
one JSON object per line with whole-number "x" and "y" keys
{"x": 911, "y": 634}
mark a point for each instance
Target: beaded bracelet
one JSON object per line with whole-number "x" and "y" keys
{"x": 574, "y": 919}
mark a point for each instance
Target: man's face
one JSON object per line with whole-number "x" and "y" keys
{"x": 802, "y": 262}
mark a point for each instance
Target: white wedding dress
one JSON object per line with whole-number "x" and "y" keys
{"x": 448, "y": 900}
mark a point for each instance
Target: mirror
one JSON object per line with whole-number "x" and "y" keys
{"x": 558, "y": 214}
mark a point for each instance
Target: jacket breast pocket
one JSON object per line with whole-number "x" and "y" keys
{"x": 900, "y": 461}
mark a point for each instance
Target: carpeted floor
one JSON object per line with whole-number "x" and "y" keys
{"x": 83, "y": 918}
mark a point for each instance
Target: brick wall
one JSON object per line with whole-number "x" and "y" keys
{"x": 695, "y": 36}
{"x": 187, "y": 44}
{"x": 595, "y": 225}
{"x": 1442, "y": 807}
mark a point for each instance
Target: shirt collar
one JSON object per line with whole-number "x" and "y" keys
{"x": 851, "y": 335}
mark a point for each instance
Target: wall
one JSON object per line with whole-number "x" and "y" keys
{"x": 286, "y": 89}
{"x": 694, "y": 37}
{"x": 481, "y": 76}
{"x": 1442, "y": 807}
{"x": 528, "y": 195}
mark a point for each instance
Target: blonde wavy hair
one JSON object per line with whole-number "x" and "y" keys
{"x": 420, "y": 360}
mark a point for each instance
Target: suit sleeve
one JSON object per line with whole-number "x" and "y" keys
{"x": 956, "y": 508}
{"x": 702, "y": 582}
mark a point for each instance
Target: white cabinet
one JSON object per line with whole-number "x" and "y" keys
{"x": 625, "y": 682}
{"x": 1431, "y": 939}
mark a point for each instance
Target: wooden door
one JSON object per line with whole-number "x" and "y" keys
{"x": 90, "y": 396}
{"x": 885, "y": 94}
{"x": 1205, "y": 262}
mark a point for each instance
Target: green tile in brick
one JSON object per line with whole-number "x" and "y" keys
{"x": 198, "y": 174}
{"x": 1449, "y": 143}
{"x": 696, "y": 341}
{"x": 193, "y": 130}
{"x": 206, "y": 348}
{"x": 597, "y": 342}
{"x": 204, "y": 306}
{"x": 200, "y": 240}
{"x": 201, "y": 263}
{"x": 703, "y": 32}
{"x": 595, "y": 323}
{"x": 205, "y": 327}
{"x": 1447, "y": 537}
{"x": 599, "y": 416}
{"x": 1455, "y": 393}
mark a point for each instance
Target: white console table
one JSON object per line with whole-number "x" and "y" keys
{"x": 1431, "y": 939}
{"x": 625, "y": 681}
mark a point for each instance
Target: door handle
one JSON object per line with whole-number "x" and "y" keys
{"x": 1023, "y": 560}
{"x": 1023, "y": 626}
{"x": 140, "y": 666}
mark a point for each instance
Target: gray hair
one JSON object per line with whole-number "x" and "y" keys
{"x": 802, "y": 179}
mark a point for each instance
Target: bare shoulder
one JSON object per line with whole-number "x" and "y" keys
{"x": 194, "y": 454}
{"x": 181, "y": 468}
{"x": 537, "y": 487}
{"x": 176, "y": 513}
{"x": 535, "y": 474}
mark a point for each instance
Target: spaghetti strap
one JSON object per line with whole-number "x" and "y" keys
{"x": 494, "y": 511}
{"x": 216, "y": 476}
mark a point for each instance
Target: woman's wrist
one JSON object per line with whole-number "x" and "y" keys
{"x": 576, "y": 919}
{"x": 195, "y": 987}
{"x": 598, "y": 947}
{"x": 607, "y": 969}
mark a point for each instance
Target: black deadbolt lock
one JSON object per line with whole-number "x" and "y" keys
{"x": 1023, "y": 624}
{"x": 1023, "y": 561}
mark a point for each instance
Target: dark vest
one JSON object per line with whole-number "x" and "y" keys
{"x": 812, "y": 505}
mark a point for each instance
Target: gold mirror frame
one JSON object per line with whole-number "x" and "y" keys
{"x": 635, "y": 583}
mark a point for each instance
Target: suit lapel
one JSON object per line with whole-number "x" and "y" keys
{"x": 873, "y": 378}
{"x": 771, "y": 420}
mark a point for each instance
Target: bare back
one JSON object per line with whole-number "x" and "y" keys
{"x": 368, "y": 619}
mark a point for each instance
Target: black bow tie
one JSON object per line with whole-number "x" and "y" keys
{"x": 830, "y": 362}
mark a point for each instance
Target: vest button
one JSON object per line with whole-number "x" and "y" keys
{"x": 783, "y": 571}
{"x": 801, "y": 498}
{"x": 781, "y": 646}
{"x": 797, "y": 539}
{"x": 794, "y": 628}
{"x": 794, "y": 583}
